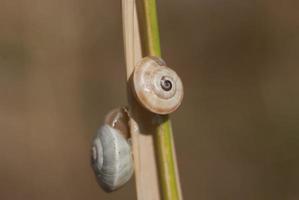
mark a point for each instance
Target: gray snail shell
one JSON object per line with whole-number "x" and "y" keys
{"x": 112, "y": 159}
{"x": 157, "y": 87}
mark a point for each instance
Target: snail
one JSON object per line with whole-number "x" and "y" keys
{"x": 157, "y": 87}
{"x": 111, "y": 157}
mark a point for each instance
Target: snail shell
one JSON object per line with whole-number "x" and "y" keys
{"x": 111, "y": 153}
{"x": 157, "y": 87}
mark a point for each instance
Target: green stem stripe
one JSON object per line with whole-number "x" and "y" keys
{"x": 164, "y": 147}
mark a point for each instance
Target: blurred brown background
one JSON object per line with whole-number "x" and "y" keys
{"x": 62, "y": 68}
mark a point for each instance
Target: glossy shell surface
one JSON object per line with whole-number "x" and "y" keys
{"x": 111, "y": 158}
{"x": 157, "y": 87}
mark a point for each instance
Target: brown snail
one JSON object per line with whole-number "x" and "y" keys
{"x": 111, "y": 157}
{"x": 157, "y": 87}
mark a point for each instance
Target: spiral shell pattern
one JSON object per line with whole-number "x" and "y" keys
{"x": 157, "y": 87}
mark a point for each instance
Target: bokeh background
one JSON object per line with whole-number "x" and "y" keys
{"x": 62, "y": 68}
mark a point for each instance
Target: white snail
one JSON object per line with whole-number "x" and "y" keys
{"x": 111, "y": 151}
{"x": 157, "y": 87}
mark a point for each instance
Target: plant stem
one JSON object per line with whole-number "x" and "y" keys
{"x": 142, "y": 131}
{"x": 164, "y": 146}
{"x": 152, "y": 137}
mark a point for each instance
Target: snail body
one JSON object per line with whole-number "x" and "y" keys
{"x": 111, "y": 152}
{"x": 157, "y": 87}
